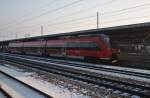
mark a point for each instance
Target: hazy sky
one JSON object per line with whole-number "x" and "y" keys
{"x": 21, "y": 17}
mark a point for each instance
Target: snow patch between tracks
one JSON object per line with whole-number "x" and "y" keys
{"x": 44, "y": 86}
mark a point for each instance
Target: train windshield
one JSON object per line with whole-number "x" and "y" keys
{"x": 106, "y": 39}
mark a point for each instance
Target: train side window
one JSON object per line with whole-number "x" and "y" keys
{"x": 83, "y": 45}
{"x": 56, "y": 46}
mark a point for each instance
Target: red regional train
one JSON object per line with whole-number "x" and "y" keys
{"x": 96, "y": 47}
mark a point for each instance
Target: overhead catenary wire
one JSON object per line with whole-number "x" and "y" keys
{"x": 112, "y": 12}
{"x": 51, "y": 11}
{"x": 85, "y": 10}
{"x": 120, "y": 10}
{"x": 105, "y": 3}
{"x": 81, "y": 11}
{"x": 31, "y": 12}
{"x": 72, "y": 20}
{"x": 75, "y": 20}
{"x": 104, "y": 13}
{"x": 123, "y": 19}
{"x": 94, "y": 24}
{"x": 109, "y": 13}
{"x": 103, "y": 22}
{"x": 75, "y": 27}
{"x": 125, "y": 9}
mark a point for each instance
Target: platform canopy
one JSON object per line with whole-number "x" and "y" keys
{"x": 140, "y": 30}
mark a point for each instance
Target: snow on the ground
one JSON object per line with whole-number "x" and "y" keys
{"x": 45, "y": 86}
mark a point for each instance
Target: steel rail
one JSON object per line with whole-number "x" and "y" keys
{"x": 5, "y": 93}
{"x": 88, "y": 66}
{"x": 82, "y": 76}
{"x": 26, "y": 85}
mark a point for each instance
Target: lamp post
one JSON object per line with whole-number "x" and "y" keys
{"x": 97, "y": 20}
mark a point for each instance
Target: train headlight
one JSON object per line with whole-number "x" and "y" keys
{"x": 114, "y": 61}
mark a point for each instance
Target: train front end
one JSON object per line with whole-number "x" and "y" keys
{"x": 107, "y": 52}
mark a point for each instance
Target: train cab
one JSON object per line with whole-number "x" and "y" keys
{"x": 95, "y": 47}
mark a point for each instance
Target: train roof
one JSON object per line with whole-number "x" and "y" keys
{"x": 119, "y": 29}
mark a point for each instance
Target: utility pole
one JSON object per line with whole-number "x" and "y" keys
{"x": 41, "y": 30}
{"x": 16, "y": 35}
{"x": 97, "y": 20}
{"x": 3, "y": 57}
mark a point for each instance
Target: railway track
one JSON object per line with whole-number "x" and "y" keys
{"x": 87, "y": 66}
{"x": 4, "y": 94}
{"x": 81, "y": 75}
{"x": 14, "y": 88}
